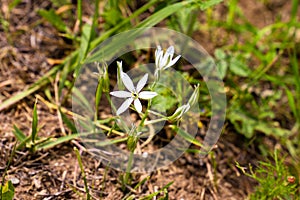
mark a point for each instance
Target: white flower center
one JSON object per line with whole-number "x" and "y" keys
{"x": 135, "y": 95}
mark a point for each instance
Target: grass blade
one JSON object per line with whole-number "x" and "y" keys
{"x": 79, "y": 13}
{"x": 88, "y": 197}
{"x": 34, "y": 123}
{"x": 19, "y": 134}
{"x": 56, "y": 141}
{"x": 156, "y": 193}
{"x": 54, "y": 19}
{"x": 186, "y": 135}
{"x": 68, "y": 122}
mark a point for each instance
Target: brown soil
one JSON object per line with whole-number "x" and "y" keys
{"x": 28, "y": 50}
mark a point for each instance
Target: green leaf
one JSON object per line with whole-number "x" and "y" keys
{"x": 84, "y": 45}
{"x": 165, "y": 99}
{"x": 238, "y": 67}
{"x": 221, "y": 62}
{"x": 222, "y": 68}
{"x": 85, "y": 41}
{"x": 291, "y": 101}
{"x": 149, "y": 197}
{"x": 162, "y": 14}
{"x": 34, "y": 123}
{"x": 294, "y": 11}
{"x": 188, "y": 137}
{"x": 19, "y": 134}
{"x": 54, "y": 19}
{"x": 95, "y": 18}
{"x": 79, "y": 12}
{"x": 271, "y": 130}
{"x": 51, "y": 142}
{"x": 63, "y": 78}
{"x": 112, "y": 16}
{"x": 247, "y": 124}
{"x": 98, "y": 96}
{"x": 141, "y": 182}
{"x": 8, "y": 191}
{"x": 13, "y": 4}
{"x": 220, "y": 54}
{"x": 80, "y": 100}
{"x": 24, "y": 142}
{"x": 68, "y": 122}
{"x": 207, "y": 4}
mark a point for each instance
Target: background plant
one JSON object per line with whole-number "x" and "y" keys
{"x": 273, "y": 178}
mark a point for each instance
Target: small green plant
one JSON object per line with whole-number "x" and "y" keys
{"x": 133, "y": 95}
{"x": 275, "y": 181}
{"x": 7, "y": 190}
{"x": 34, "y": 143}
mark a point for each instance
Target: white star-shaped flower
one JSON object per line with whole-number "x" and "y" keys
{"x": 164, "y": 61}
{"x": 134, "y": 93}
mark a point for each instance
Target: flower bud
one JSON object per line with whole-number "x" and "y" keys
{"x": 179, "y": 112}
{"x": 131, "y": 142}
{"x": 119, "y": 75}
{"x": 132, "y": 139}
{"x": 195, "y": 96}
{"x": 103, "y": 77}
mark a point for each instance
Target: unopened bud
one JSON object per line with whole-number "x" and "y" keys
{"x": 179, "y": 112}
{"x": 195, "y": 96}
{"x": 119, "y": 75}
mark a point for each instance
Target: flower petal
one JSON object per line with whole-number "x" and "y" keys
{"x": 157, "y": 51}
{"x": 141, "y": 83}
{"x": 121, "y": 94}
{"x": 180, "y": 111}
{"x": 170, "y": 53}
{"x": 158, "y": 57}
{"x": 125, "y": 105}
{"x": 127, "y": 82}
{"x": 172, "y": 62}
{"x": 119, "y": 75}
{"x": 170, "y": 50}
{"x": 147, "y": 95}
{"x": 138, "y": 105}
{"x": 163, "y": 61}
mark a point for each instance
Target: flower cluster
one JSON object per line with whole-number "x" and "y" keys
{"x": 163, "y": 60}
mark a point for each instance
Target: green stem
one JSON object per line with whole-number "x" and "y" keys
{"x": 155, "y": 121}
{"x": 144, "y": 116}
{"x": 88, "y": 196}
{"x": 156, "y": 113}
{"x": 128, "y": 169}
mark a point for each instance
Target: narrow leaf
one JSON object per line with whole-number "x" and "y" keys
{"x": 34, "y": 123}
{"x": 19, "y": 134}
{"x": 54, "y": 19}
{"x": 68, "y": 122}
{"x": 186, "y": 136}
